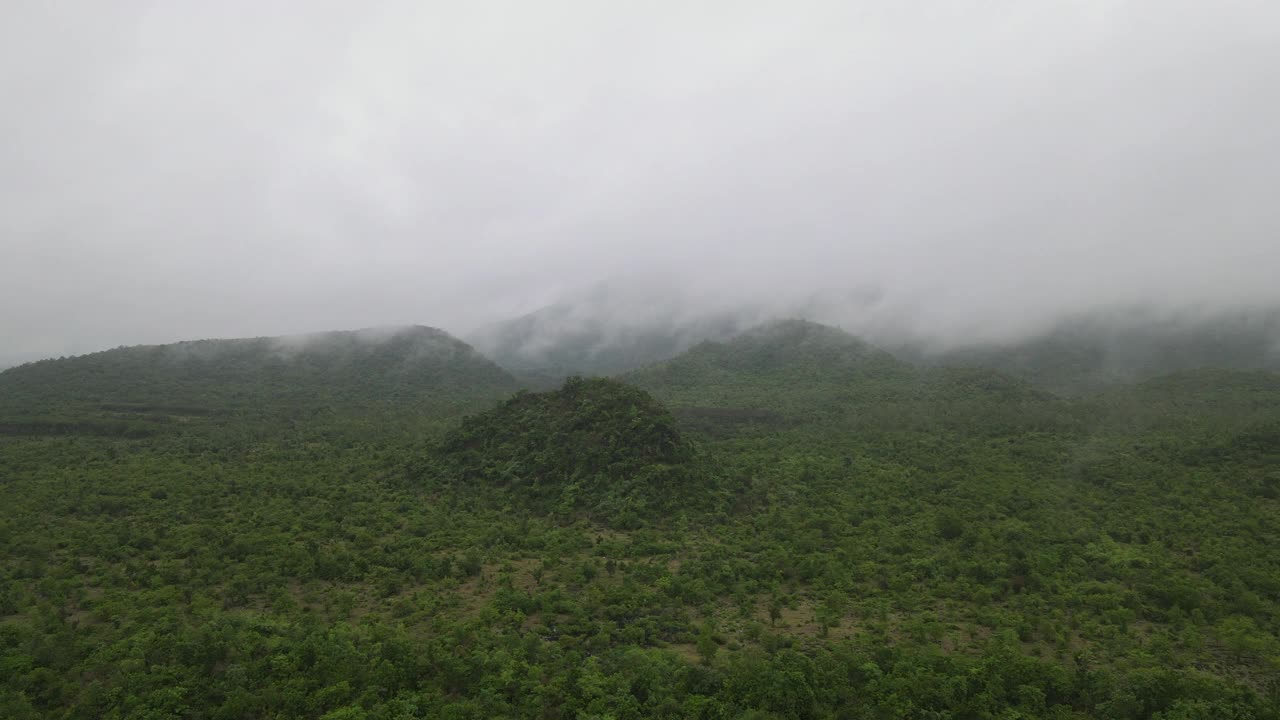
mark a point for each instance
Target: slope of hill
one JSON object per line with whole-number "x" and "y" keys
{"x": 777, "y": 358}
{"x": 785, "y": 349}
{"x": 807, "y": 372}
{"x": 384, "y": 370}
{"x": 1093, "y": 353}
{"x": 1212, "y": 399}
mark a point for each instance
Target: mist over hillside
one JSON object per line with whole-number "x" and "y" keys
{"x": 931, "y": 357}
{"x": 615, "y": 328}
{"x": 608, "y": 329}
{"x": 983, "y": 169}
{"x": 387, "y": 372}
{"x": 14, "y": 359}
{"x": 1090, "y": 352}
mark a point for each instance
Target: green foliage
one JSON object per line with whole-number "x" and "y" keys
{"x": 597, "y": 446}
{"x": 849, "y": 537}
{"x": 795, "y": 374}
{"x": 340, "y": 382}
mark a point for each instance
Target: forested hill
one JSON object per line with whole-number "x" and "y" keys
{"x": 794, "y": 371}
{"x": 1076, "y": 355}
{"x": 594, "y": 448}
{"x": 1093, "y": 353}
{"x": 780, "y": 356}
{"x": 372, "y": 525}
{"x": 412, "y": 369}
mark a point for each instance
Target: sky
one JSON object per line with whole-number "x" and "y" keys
{"x": 185, "y": 169}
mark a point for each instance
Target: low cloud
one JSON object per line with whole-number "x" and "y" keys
{"x": 971, "y": 169}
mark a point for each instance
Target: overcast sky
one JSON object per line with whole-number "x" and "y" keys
{"x": 174, "y": 170}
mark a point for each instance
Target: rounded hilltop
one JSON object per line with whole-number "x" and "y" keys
{"x": 594, "y": 447}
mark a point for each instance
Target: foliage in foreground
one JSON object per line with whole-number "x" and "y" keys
{"x": 943, "y": 544}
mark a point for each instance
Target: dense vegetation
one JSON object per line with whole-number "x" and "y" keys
{"x": 611, "y": 332}
{"x": 303, "y": 384}
{"x": 1096, "y": 352}
{"x": 597, "y": 448}
{"x": 814, "y": 529}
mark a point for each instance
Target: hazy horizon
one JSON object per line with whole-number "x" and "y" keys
{"x": 968, "y": 171}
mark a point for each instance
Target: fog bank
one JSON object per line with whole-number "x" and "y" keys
{"x": 971, "y": 170}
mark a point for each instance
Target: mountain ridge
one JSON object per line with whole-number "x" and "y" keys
{"x": 387, "y": 369}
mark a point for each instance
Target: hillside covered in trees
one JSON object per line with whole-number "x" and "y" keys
{"x": 610, "y": 332}
{"x": 377, "y": 375}
{"x": 1090, "y": 353}
{"x": 787, "y": 523}
{"x": 598, "y": 449}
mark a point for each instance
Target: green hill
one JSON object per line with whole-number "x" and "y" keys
{"x": 768, "y": 364}
{"x": 1093, "y": 353}
{"x": 787, "y": 350}
{"x": 314, "y": 527}
{"x": 595, "y": 446}
{"x": 807, "y": 373}
{"x": 417, "y": 371}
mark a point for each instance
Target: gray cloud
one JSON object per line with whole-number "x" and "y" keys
{"x": 179, "y": 170}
